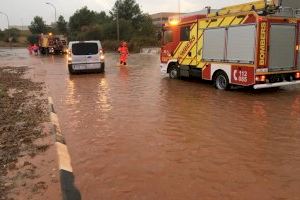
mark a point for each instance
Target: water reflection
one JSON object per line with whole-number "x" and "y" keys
{"x": 104, "y": 104}
{"x": 295, "y": 111}
{"x": 124, "y": 73}
{"x": 134, "y": 135}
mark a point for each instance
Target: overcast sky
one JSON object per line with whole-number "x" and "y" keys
{"x": 22, "y": 11}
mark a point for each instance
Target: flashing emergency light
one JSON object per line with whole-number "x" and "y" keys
{"x": 173, "y": 21}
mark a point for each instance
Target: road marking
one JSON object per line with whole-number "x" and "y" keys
{"x": 50, "y": 100}
{"x": 69, "y": 190}
{"x": 64, "y": 157}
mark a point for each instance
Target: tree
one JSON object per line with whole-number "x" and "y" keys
{"x": 145, "y": 26}
{"x": 61, "y": 25}
{"x": 13, "y": 33}
{"x": 133, "y": 23}
{"x": 102, "y": 18}
{"x": 90, "y": 33}
{"x": 33, "y": 39}
{"x": 82, "y": 17}
{"x": 38, "y": 25}
{"x": 2, "y": 35}
{"x": 126, "y": 9}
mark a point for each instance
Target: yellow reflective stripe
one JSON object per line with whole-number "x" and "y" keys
{"x": 179, "y": 46}
{"x": 237, "y": 21}
{"x": 193, "y": 32}
{"x": 227, "y": 21}
{"x": 215, "y": 22}
{"x": 175, "y": 51}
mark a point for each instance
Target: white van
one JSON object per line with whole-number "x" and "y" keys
{"x": 85, "y": 56}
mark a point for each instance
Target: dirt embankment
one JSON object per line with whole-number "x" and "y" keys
{"x": 24, "y": 137}
{"x": 14, "y": 44}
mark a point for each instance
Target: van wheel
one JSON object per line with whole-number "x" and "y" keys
{"x": 43, "y": 51}
{"x": 174, "y": 72}
{"x": 71, "y": 71}
{"x": 100, "y": 71}
{"x": 221, "y": 81}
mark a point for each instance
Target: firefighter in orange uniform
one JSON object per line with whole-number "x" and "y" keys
{"x": 123, "y": 50}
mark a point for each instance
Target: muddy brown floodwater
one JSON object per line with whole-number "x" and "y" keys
{"x": 133, "y": 134}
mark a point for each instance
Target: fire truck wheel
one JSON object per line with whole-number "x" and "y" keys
{"x": 221, "y": 81}
{"x": 43, "y": 51}
{"x": 174, "y": 74}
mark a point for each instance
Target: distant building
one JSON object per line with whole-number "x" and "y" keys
{"x": 21, "y": 28}
{"x": 159, "y": 19}
{"x": 200, "y": 12}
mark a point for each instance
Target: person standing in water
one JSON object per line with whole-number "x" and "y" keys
{"x": 30, "y": 48}
{"x": 36, "y": 49}
{"x": 123, "y": 50}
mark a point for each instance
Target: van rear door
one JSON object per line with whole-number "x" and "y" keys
{"x": 85, "y": 52}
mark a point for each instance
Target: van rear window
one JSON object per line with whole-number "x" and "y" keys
{"x": 85, "y": 49}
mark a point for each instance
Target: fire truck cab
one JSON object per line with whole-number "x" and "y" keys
{"x": 254, "y": 44}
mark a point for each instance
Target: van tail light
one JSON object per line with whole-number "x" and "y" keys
{"x": 69, "y": 55}
{"x": 69, "y": 58}
{"x": 102, "y": 57}
{"x": 297, "y": 76}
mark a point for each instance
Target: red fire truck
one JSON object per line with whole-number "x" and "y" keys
{"x": 254, "y": 44}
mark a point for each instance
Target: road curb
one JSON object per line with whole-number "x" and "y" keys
{"x": 69, "y": 191}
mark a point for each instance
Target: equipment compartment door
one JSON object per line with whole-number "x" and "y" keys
{"x": 241, "y": 44}
{"x": 214, "y": 44}
{"x": 282, "y": 47}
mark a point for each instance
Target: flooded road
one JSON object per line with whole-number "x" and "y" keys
{"x": 133, "y": 134}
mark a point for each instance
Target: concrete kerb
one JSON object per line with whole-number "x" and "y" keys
{"x": 69, "y": 191}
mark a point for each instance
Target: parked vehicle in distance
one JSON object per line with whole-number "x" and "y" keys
{"x": 52, "y": 44}
{"x": 85, "y": 56}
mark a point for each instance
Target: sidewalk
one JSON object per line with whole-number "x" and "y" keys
{"x": 28, "y": 159}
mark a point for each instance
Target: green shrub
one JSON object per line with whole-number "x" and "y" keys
{"x": 110, "y": 45}
{"x": 2, "y": 35}
{"x": 33, "y": 39}
{"x": 12, "y": 32}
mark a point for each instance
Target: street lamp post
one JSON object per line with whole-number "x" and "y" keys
{"x": 50, "y": 4}
{"x": 118, "y": 26}
{"x": 179, "y": 9}
{"x": 9, "y": 39}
